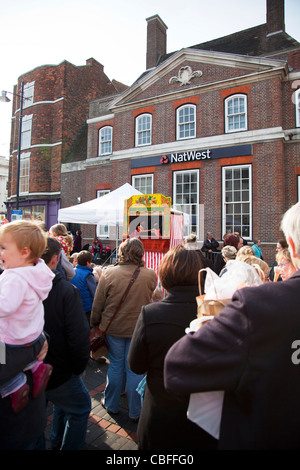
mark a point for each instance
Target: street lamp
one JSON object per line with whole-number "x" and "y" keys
{"x": 5, "y": 99}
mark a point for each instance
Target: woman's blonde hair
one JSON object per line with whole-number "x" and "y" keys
{"x": 229, "y": 252}
{"x": 27, "y": 234}
{"x": 284, "y": 253}
{"x": 192, "y": 238}
{"x": 58, "y": 229}
{"x": 258, "y": 264}
{"x": 131, "y": 251}
{"x": 244, "y": 251}
{"x": 290, "y": 225}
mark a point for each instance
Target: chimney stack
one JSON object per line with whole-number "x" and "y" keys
{"x": 156, "y": 40}
{"x": 275, "y": 16}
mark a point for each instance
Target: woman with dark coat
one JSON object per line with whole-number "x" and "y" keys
{"x": 163, "y": 423}
{"x": 77, "y": 242}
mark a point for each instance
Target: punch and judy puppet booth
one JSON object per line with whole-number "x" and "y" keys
{"x": 151, "y": 218}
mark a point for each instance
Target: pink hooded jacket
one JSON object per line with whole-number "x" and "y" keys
{"x": 22, "y": 291}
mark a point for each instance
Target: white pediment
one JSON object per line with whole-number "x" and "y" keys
{"x": 184, "y": 75}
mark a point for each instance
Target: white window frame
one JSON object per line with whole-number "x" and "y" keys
{"x": 190, "y": 209}
{"x": 26, "y": 131}
{"x": 28, "y": 94}
{"x": 237, "y": 199}
{"x": 104, "y": 140}
{"x": 236, "y": 114}
{"x": 24, "y": 172}
{"x": 139, "y": 182}
{"x": 143, "y": 130}
{"x": 298, "y": 186}
{"x": 185, "y": 124}
{"x": 297, "y": 106}
{"x": 102, "y": 230}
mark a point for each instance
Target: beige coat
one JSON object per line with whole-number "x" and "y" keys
{"x": 111, "y": 287}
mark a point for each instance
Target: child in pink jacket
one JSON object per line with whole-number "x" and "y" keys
{"x": 24, "y": 284}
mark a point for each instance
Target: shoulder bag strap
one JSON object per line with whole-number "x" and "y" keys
{"x": 199, "y": 280}
{"x": 134, "y": 276}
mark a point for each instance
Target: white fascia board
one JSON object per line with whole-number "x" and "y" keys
{"x": 222, "y": 140}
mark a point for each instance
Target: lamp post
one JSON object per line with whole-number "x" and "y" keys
{"x": 5, "y": 99}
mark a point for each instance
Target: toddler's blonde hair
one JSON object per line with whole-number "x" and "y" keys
{"x": 28, "y": 234}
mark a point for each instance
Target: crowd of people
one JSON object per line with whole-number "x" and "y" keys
{"x": 53, "y": 298}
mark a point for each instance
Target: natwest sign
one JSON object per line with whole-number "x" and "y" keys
{"x": 186, "y": 156}
{"x": 193, "y": 155}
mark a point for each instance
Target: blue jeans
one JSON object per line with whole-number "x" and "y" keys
{"x": 119, "y": 372}
{"x": 72, "y": 406}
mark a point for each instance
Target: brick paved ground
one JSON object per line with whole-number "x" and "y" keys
{"x": 105, "y": 432}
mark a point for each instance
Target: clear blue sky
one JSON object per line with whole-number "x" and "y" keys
{"x": 35, "y": 33}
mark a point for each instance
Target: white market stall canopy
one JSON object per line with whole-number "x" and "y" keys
{"x": 105, "y": 210}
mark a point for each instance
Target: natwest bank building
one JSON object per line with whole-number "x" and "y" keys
{"x": 215, "y": 126}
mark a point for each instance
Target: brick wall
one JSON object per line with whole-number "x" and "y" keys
{"x": 210, "y": 115}
{"x": 56, "y": 124}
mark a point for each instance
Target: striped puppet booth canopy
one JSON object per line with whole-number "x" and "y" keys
{"x": 150, "y": 218}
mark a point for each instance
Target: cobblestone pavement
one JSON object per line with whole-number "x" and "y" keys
{"x": 105, "y": 431}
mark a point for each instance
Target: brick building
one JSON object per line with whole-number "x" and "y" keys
{"x": 55, "y": 109}
{"x": 216, "y": 126}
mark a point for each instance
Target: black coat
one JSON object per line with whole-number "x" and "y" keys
{"x": 19, "y": 430}
{"x": 210, "y": 245}
{"x": 252, "y": 352}
{"x": 69, "y": 331}
{"x": 163, "y": 423}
